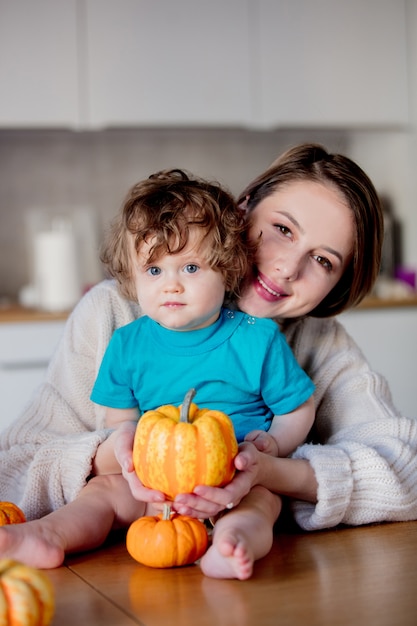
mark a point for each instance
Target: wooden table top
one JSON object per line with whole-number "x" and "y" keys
{"x": 13, "y": 312}
{"x": 340, "y": 577}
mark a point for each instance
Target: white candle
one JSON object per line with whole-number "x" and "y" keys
{"x": 56, "y": 270}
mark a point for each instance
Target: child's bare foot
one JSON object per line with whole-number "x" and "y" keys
{"x": 230, "y": 556}
{"x": 32, "y": 544}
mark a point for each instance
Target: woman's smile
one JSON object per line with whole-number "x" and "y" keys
{"x": 268, "y": 290}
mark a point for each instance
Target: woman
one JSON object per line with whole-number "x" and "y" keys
{"x": 366, "y": 471}
{"x": 320, "y": 228}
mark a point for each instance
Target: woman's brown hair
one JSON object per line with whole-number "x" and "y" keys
{"x": 312, "y": 162}
{"x": 164, "y": 207}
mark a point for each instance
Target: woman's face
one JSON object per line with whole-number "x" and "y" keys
{"x": 307, "y": 234}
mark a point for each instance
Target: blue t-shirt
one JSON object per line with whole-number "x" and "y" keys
{"x": 240, "y": 365}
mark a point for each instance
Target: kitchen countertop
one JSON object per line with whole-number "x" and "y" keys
{"x": 387, "y": 303}
{"x": 17, "y": 313}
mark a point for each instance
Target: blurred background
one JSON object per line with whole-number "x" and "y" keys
{"x": 97, "y": 94}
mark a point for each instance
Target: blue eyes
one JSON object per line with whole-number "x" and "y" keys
{"x": 190, "y": 268}
{"x": 153, "y": 271}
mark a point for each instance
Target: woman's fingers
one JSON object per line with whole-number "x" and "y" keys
{"x": 195, "y": 506}
{"x": 140, "y": 492}
{"x": 208, "y": 501}
{"x": 203, "y": 502}
{"x": 123, "y": 447}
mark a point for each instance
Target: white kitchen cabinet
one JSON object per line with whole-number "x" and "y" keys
{"x": 169, "y": 63}
{"x": 91, "y": 64}
{"x": 39, "y": 63}
{"x": 270, "y": 63}
{"x": 25, "y": 351}
{"x": 388, "y": 339}
{"x": 332, "y": 63}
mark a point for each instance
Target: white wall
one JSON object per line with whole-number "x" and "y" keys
{"x": 55, "y": 170}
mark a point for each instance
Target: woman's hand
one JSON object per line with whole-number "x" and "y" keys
{"x": 123, "y": 448}
{"x": 123, "y": 438}
{"x": 207, "y": 502}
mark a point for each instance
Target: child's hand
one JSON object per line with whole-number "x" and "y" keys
{"x": 263, "y": 441}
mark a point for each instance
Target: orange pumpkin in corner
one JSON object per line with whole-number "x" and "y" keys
{"x": 26, "y": 595}
{"x": 177, "y": 448}
{"x": 11, "y": 514}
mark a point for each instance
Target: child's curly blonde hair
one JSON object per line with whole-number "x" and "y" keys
{"x": 164, "y": 207}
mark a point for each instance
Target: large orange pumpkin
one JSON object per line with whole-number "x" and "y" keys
{"x": 178, "y": 448}
{"x": 26, "y": 595}
{"x": 11, "y": 514}
{"x": 166, "y": 540}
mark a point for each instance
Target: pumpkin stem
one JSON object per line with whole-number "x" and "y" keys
{"x": 166, "y": 513}
{"x": 185, "y": 407}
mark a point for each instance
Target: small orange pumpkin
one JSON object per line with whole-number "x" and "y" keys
{"x": 26, "y": 595}
{"x": 11, "y": 514}
{"x": 166, "y": 540}
{"x": 177, "y": 448}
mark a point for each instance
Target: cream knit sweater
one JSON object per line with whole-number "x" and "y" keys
{"x": 363, "y": 452}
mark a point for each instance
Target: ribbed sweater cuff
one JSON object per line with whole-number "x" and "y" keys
{"x": 333, "y": 472}
{"x": 76, "y": 461}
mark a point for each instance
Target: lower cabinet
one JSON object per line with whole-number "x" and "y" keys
{"x": 388, "y": 339}
{"x": 25, "y": 351}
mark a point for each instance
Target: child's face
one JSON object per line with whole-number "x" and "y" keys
{"x": 179, "y": 291}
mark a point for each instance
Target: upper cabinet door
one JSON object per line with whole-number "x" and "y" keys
{"x": 38, "y": 63}
{"x": 332, "y": 63}
{"x": 167, "y": 63}
{"x": 249, "y": 63}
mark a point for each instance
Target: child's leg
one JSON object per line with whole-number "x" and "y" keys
{"x": 103, "y": 504}
{"x": 242, "y": 536}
